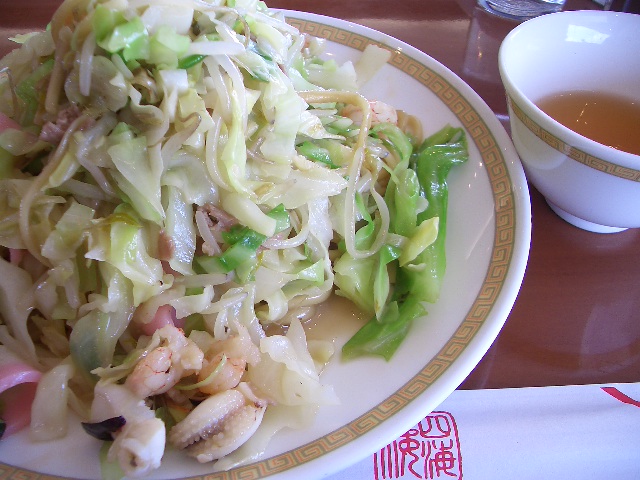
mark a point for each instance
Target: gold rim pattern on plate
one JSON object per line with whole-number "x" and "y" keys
{"x": 572, "y": 152}
{"x": 502, "y": 252}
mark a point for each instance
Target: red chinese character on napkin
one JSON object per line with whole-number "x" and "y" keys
{"x": 430, "y": 450}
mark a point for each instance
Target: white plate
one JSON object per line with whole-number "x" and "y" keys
{"x": 489, "y": 229}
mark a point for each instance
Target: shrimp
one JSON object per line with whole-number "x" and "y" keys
{"x": 380, "y": 113}
{"x": 227, "y": 373}
{"x": 227, "y": 360}
{"x": 175, "y": 357}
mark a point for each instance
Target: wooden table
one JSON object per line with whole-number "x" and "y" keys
{"x": 577, "y": 317}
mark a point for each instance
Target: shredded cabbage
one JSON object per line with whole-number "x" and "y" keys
{"x": 180, "y": 185}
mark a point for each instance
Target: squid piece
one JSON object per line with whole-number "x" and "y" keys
{"x": 220, "y": 424}
{"x": 138, "y": 446}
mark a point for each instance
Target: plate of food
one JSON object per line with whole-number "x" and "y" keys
{"x": 240, "y": 242}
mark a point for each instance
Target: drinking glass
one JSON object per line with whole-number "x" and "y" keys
{"x": 521, "y": 9}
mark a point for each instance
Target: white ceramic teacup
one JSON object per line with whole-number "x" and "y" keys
{"x": 589, "y": 184}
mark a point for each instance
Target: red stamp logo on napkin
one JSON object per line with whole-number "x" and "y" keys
{"x": 430, "y": 450}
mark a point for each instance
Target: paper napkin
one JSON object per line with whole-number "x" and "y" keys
{"x": 570, "y": 432}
